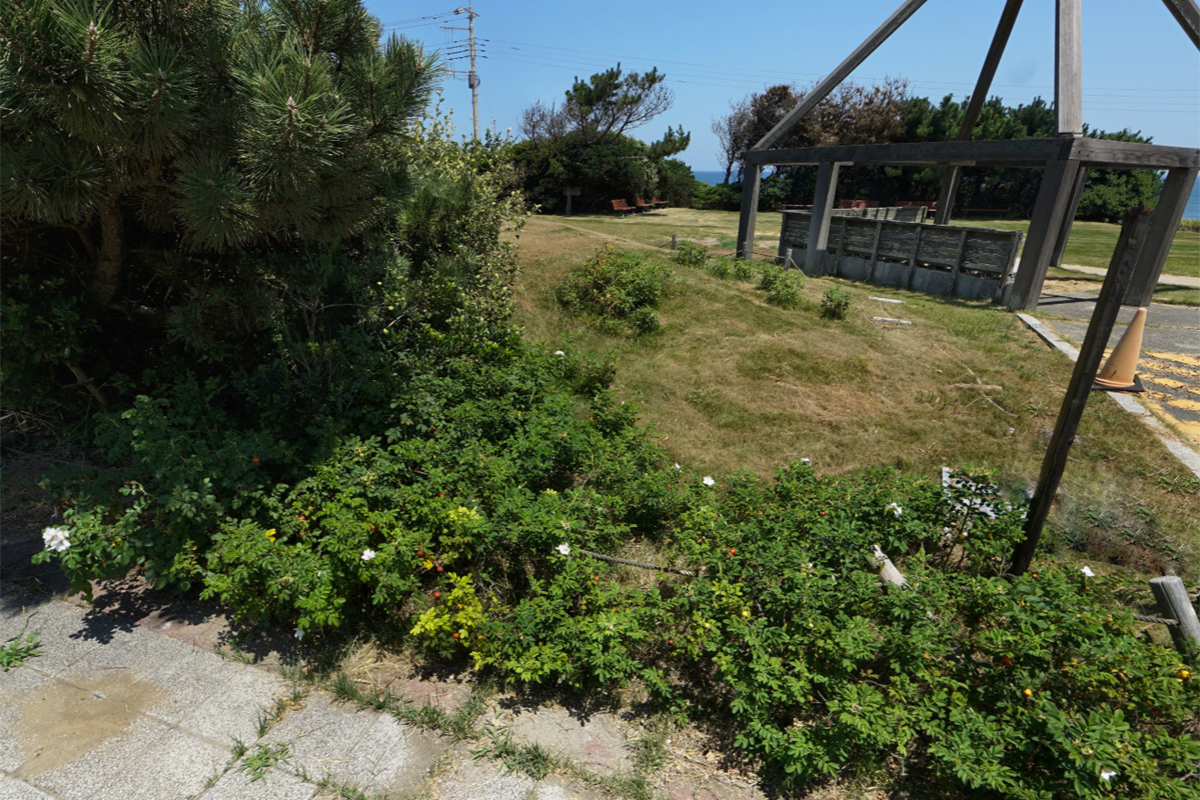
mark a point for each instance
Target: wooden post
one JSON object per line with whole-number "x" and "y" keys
{"x": 837, "y": 264}
{"x": 1133, "y": 235}
{"x": 953, "y": 173}
{"x": 1064, "y": 233}
{"x": 673, "y": 241}
{"x": 874, "y": 250}
{"x": 1068, "y": 73}
{"x": 958, "y": 259}
{"x": 912, "y": 259}
{"x": 1009, "y": 266}
{"x": 818, "y": 226}
{"x": 822, "y": 90}
{"x": 1058, "y": 179}
{"x": 888, "y": 573}
{"x": 1174, "y": 603}
{"x": 1187, "y": 14}
{"x": 751, "y": 183}
{"x": 1163, "y": 226}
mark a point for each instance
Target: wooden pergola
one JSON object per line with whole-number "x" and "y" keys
{"x": 1064, "y": 158}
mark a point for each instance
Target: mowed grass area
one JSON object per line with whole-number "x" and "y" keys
{"x": 1091, "y": 243}
{"x": 730, "y": 383}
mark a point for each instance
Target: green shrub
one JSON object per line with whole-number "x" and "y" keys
{"x": 720, "y": 268}
{"x": 619, "y": 288}
{"x": 690, "y": 254}
{"x": 743, "y": 269}
{"x": 782, "y": 286}
{"x": 835, "y": 304}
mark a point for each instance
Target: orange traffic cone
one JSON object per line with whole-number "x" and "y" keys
{"x": 1118, "y": 372}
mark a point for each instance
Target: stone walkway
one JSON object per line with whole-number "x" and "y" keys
{"x": 114, "y": 709}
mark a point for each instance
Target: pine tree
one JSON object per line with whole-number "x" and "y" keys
{"x": 147, "y": 142}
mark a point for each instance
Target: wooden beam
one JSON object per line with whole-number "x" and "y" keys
{"x": 818, "y": 226}
{"x": 1068, "y": 69}
{"x": 1187, "y": 14}
{"x": 1049, "y": 209}
{"x": 1105, "y": 153}
{"x": 1064, "y": 233}
{"x": 822, "y": 90}
{"x": 1120, "y": 270}
{"x": 1005, "y": 151}
{"x": 751, "y": 183}
{"x": 953, "y": 174}
{"x": 1163, "y": 226}
{"x": 1034, "y": 153}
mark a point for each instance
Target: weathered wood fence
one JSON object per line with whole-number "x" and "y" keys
{"x": 972, "y": 263}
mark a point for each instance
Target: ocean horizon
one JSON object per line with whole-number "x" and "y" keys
{"x": 1192, "y": 211}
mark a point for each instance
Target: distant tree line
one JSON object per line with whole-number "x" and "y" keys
{"x": 584, "y": 143}
{"x": 883, "y": 113}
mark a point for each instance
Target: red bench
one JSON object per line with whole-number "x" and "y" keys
{"x": 642, "y": 205}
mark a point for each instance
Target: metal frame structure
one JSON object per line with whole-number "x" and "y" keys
{"x": 1064, "y": 158}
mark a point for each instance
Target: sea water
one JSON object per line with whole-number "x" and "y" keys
{"x": 1192, "y": 211}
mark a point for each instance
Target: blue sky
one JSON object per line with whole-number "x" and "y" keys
{"x": 1139, "y": 69}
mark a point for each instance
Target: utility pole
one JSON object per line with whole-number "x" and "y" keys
{"x": 472, "y": 76}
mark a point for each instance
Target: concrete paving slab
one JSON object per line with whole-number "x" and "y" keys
{"x": 19, "y": 611}
{"x": 191, "y": 677}
{"x": 178, "y": 766}
{"x": 392, "y": 757}
{"x": 81, "y": 778}
{"x": 322, "y": 735}
{"x": 11, "y": 789}
{"x": 599, "y": 742}
{"x": 69, "y": 635}
{"x": 15, "y": 686}
{"x": 138, "y": 651}
{"x": 234, "y": 711}
{"x": 275, "y": 784}
{"x": 469, "y": 779}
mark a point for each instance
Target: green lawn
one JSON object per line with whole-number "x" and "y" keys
{"x": 1092, "y": 244}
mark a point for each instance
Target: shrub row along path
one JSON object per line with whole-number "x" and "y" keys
{"x": 132, "y": 696}
{"x": 1170, "y": 363}
{"x": 111, "y": 709}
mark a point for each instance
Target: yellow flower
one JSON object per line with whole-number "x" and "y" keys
{"x": 270, "y": 534}
{"x": 1028, "y": 693}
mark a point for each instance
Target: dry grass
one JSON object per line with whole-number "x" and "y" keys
{"x": 731, "y": 382}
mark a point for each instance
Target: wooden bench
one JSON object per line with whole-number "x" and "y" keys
{"x": 643, "y": 206}
{"x": 659, "y": 203}
{"x": 621, "y": 208}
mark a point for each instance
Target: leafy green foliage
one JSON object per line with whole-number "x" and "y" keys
{"x": 584, "y": 143}
{"x": 16, "y": 649}
{"x": 196, "y": 174}
{"x": 690, "y": 254}
{"x": 619, "y": 288}
{"x": 835, "y": 304}
{"x": 781, "y": 285}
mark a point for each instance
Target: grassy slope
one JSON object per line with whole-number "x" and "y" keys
{"x": 731, "y": 382}
{"x": 1091, "y": 243}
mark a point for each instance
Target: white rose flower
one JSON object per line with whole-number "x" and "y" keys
{"x": 559, "y": 353}
{"x": 708, "y": 481}
{"x": 1088, "y": 571}
{"x": 1107, "y": 774}
{"x": 368, "y": 554}
{"x": 895, "y": 509}
{"x": 56, "y": 539}
{"x": 564, "y": 548}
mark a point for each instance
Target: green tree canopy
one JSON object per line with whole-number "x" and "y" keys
{"x": 584, "y": 142}
{"x": 150, "y": 144}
